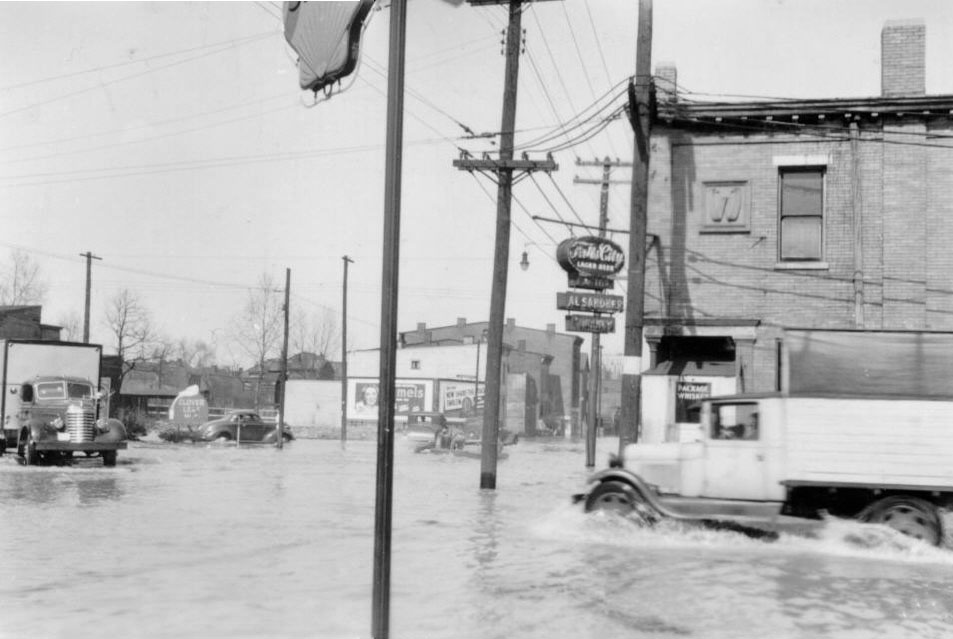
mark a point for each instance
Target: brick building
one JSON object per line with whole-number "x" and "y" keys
{"x": 834, "y": 213}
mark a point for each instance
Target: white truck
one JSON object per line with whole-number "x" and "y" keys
{"x": 862, "y": 428}
{"x": 51, "y": 404}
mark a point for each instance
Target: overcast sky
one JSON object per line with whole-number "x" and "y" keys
{"x": 171, "y": 140}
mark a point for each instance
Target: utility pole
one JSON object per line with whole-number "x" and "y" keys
{"x": 384, "y": 498}
{"x": 284, "y": 363}
{"x": 89, "y": 285}
{"x": 503, "y": 169}
{"x": 640, "y": 117}
{"x": 595, "y": 357}
{"x": 347, "y": 261}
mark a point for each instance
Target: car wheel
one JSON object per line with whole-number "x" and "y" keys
{"x": 911, "y": 516}
{"x": 30, "y": 456}
{"x": 222, "y": 437}
{"x": 109, "y": 458}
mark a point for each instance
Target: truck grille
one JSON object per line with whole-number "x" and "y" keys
{"x": 80, "y": 424}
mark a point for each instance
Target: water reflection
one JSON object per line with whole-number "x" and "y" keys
{"x": 67, "y": 487}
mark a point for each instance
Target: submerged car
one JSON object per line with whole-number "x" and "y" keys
{"x": 244, "y": 426}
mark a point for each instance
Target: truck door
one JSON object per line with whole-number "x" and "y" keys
{"x": 735, "y": 452}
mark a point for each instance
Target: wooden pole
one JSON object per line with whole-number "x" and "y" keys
{"x": 284, "y": 364}
{"x": 383, "y": 513}
{"x": 641, "y": 119}
{"x": 89, "y": 287}
{"x": 347, "y": 261}
{"x": 501, "y": 255}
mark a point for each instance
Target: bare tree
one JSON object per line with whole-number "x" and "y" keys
{"x": 130, "y": 323}
{"x": 259, "y": 329}
{"x": 317, "y": 333}
{"x": 20, "y": 281}
{"x": 70, "y": 325}
{"x": 195, "y": 353}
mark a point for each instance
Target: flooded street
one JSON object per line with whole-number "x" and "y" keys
{"x": 218, "y": 541}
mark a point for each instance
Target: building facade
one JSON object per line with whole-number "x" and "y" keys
{"x": 763, "y": 215}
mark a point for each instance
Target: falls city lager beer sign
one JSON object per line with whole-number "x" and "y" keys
{"x": 592, "y": 256}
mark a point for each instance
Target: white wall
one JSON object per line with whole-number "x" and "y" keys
{"x": 313, "y": 403}
{"x": 454, "y": 361}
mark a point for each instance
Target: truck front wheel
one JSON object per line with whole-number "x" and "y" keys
{"x": 109, "y": 458}
{"x": 911, "y": 516}
{"x": 30, "y": 456}
{"x": 621, "y": 498}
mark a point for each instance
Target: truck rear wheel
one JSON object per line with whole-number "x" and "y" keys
{"x": 911, "y": 516}
{"x": 621, "y": 498}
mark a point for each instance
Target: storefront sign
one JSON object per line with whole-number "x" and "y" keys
{"x": 590, "y": 324}
{"x": 589, "y": 302}
{"x": 589, "y": 282}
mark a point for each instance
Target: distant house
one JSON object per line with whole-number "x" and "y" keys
{"x": 23, "y": 322}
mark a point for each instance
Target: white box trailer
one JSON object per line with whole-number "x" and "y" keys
{"x": 854, "y": 435}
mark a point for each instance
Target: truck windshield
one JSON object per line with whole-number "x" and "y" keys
{"x": 78, "y": 391}
{"x": 734, "y": 421}
{"x": 51, "y": 390}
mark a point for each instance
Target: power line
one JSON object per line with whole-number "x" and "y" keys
{"x": 104, "y": 84}
{"x": 73, "y": 74}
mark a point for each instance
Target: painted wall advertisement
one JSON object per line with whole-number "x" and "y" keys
{"x": 410, "y": 395}
{"x": 460, "y": 397}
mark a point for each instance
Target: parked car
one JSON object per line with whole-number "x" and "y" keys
{"x": 241, "y": 426}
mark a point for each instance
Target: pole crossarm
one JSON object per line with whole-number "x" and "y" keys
{"x": 496, "y": 165}
{"x": 579, "y": 180}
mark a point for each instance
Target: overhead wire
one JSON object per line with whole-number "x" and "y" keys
{"x": 103, "y": 84}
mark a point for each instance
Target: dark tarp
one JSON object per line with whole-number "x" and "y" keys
{"x": 870, "y": 363}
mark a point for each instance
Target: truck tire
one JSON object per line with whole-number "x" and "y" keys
{"x": 621, "y": 498}
{"x": 30, "y": 456}
{"x": 911, "y": 516}
{"x": 109, "y": 458}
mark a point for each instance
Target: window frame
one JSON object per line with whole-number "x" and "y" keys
{"x": 793, "y": 168}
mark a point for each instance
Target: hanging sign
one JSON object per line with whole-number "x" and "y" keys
{"x": 590, "y": 282}
{"x": 590, "y": 324}
{"x": 589, "y": 302}
{"x": 595, "y": 256}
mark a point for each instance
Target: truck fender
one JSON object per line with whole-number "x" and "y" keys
{"x": 645, "y": 491}
{"x": 39, "y": 430}
{"x": 112, "y": 431}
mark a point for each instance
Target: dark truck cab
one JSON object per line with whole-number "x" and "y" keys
{"x": 59, "y": 416}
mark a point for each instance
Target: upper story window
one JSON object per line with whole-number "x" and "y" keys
{"x": 801, "y": 212}
{"x": 415, "y": 364}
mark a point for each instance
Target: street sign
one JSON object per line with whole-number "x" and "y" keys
{"x": 590, "y": 324}
{"x": 591, "y": 282}
{"x": 589, "y": 302}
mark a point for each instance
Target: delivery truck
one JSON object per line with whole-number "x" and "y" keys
{"x": 861, "y": 428}
{"x": 51, "y": 406}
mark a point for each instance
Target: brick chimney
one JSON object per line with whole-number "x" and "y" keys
{"x": 903, "y": 58}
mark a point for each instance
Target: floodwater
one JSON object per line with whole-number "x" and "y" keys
{"x": 217, "y": 541}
